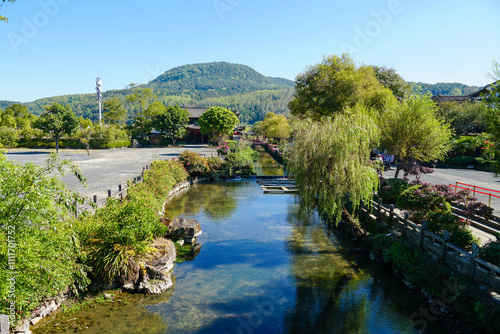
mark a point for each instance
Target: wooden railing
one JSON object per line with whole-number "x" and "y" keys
{"x": 459, "y": 259}
{"x": 96, "y": 202}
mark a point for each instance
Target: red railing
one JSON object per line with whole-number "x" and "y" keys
{"x": 474, "y": 190}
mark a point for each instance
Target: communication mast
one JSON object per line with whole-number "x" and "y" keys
{"x": 98, "y": 85}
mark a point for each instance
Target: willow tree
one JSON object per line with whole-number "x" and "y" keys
{"x": 412, "y": 131}
{"x": 330, "y": 161}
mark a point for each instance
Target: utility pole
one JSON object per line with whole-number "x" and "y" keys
{"x": 98, "y": 85}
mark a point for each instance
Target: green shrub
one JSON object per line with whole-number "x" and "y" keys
{"x": 462, "y": 161}
{"x": 215, "y": 165}
{"x": 462, "y": 237}
{"x": 402, "y": 255}
{"x": 232, "y": 145}
{"x": 195, "y": 164}
{"x": 36, "y": 223}
{"x": 390, "y": 189}
{"x": 441, "y": 221}
{"x": 423, "y": 197}
{"x": 118, "y": 237}
{"x": 491, "y": 252}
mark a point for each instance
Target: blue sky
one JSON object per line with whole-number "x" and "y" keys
{"x": 56, "y": 47}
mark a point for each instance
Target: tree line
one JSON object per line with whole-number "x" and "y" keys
{"x": 18, "y": 126}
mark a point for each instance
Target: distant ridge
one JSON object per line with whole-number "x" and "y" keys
{"x": 444, "y": 88}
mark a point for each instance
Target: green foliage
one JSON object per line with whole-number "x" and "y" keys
{"x": 466, "y": 146}
{"x": 218, "y": 122}
{"x": 216, "y": 79}
{"x": 443, "y": 88}
{"x": 111, "y": 136}
{"x": 8, "y": 137}
{"x": 420, "y": 198}
{"x": 412, "y": 131}
{"x": 462, "y": 161}
{"x": 491, "y": 252}
{"x": 118, "y": 237}
{"x": 172, "y": 122}
{"x": 232, "y": 145}
{"x": 460, "y": 234}
{"x": 403, "y": 256}
{"x": 275, "y": 126}
{"x": 139, "y": 96}
{"x": 195, "y": 164}
{"x": 18, "y": 117}
{"x": 38, "y": 233}
{"x": 390, "y": 189}
{"x": 57, "y": 120}
{"x": 465, "y": 117}
{"x": 114, "y": 112}
{"x": 330, "y": 161}
{"x": 242, "y": 159}
{"x": 328, "y": 88}
{"x": 215, "y": 166}
{"x": 390, "y": 79}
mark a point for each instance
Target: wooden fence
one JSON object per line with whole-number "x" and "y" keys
{"x": 459, "y": 259}
{"x": 121, "y": 192}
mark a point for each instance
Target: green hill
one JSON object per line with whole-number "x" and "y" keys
{"x": 234, "y": 86}
{"x": 444, "y": 88}
{"x": 215, "y": 79}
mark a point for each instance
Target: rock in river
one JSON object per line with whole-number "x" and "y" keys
{"x": 185, "y": 228}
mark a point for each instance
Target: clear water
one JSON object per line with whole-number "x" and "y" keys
{"x": 263, "y": 268}
{"x": 266, "y": 165}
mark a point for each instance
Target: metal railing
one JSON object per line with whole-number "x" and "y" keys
{"x": 474, "y": 190}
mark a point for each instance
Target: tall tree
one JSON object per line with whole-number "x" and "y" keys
{"x": 172, "y": 122}
{"x": 412, "y": 131}
{"x": 139, "y": 96}
{"x": 335, "y": 84}
{"x": 465, "y": 117}
{"x": 57, "y": 120}
{"x": 218, "y": 122}
{"x": 276, "y": 126}
{"x": 84, "y": 134}
{"x": 392, "y": 80}
{"x": 115, "y": 113}
{"x": 8, "y": 137}
{"x": 330, "y": 160}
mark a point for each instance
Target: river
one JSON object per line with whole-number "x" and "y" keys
{"x": 262, "y": 268}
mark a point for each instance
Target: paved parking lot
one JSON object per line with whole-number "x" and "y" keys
{"x": 106, "y": 169}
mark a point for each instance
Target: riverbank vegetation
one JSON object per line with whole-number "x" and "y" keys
{"x": 341, "y": 112}
{"x": 48, "y": 254}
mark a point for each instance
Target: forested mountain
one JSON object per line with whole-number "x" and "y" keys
{"x": 443, "y": 88}
{"x": 215, "y": 79}
{"x": 4, "y": 104}
{"x": 233, "y": 86}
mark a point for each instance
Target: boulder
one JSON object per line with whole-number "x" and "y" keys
{"x": 185, "y": 228}
{"x": 156, "y": 277}
{"x": 163, "y": 259}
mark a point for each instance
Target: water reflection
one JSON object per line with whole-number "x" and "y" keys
{"x": 332, "y": 294}
{"x": 266, "y": 165}
{"x": 217, "y": 200}
{"x": 263, "y": 269}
